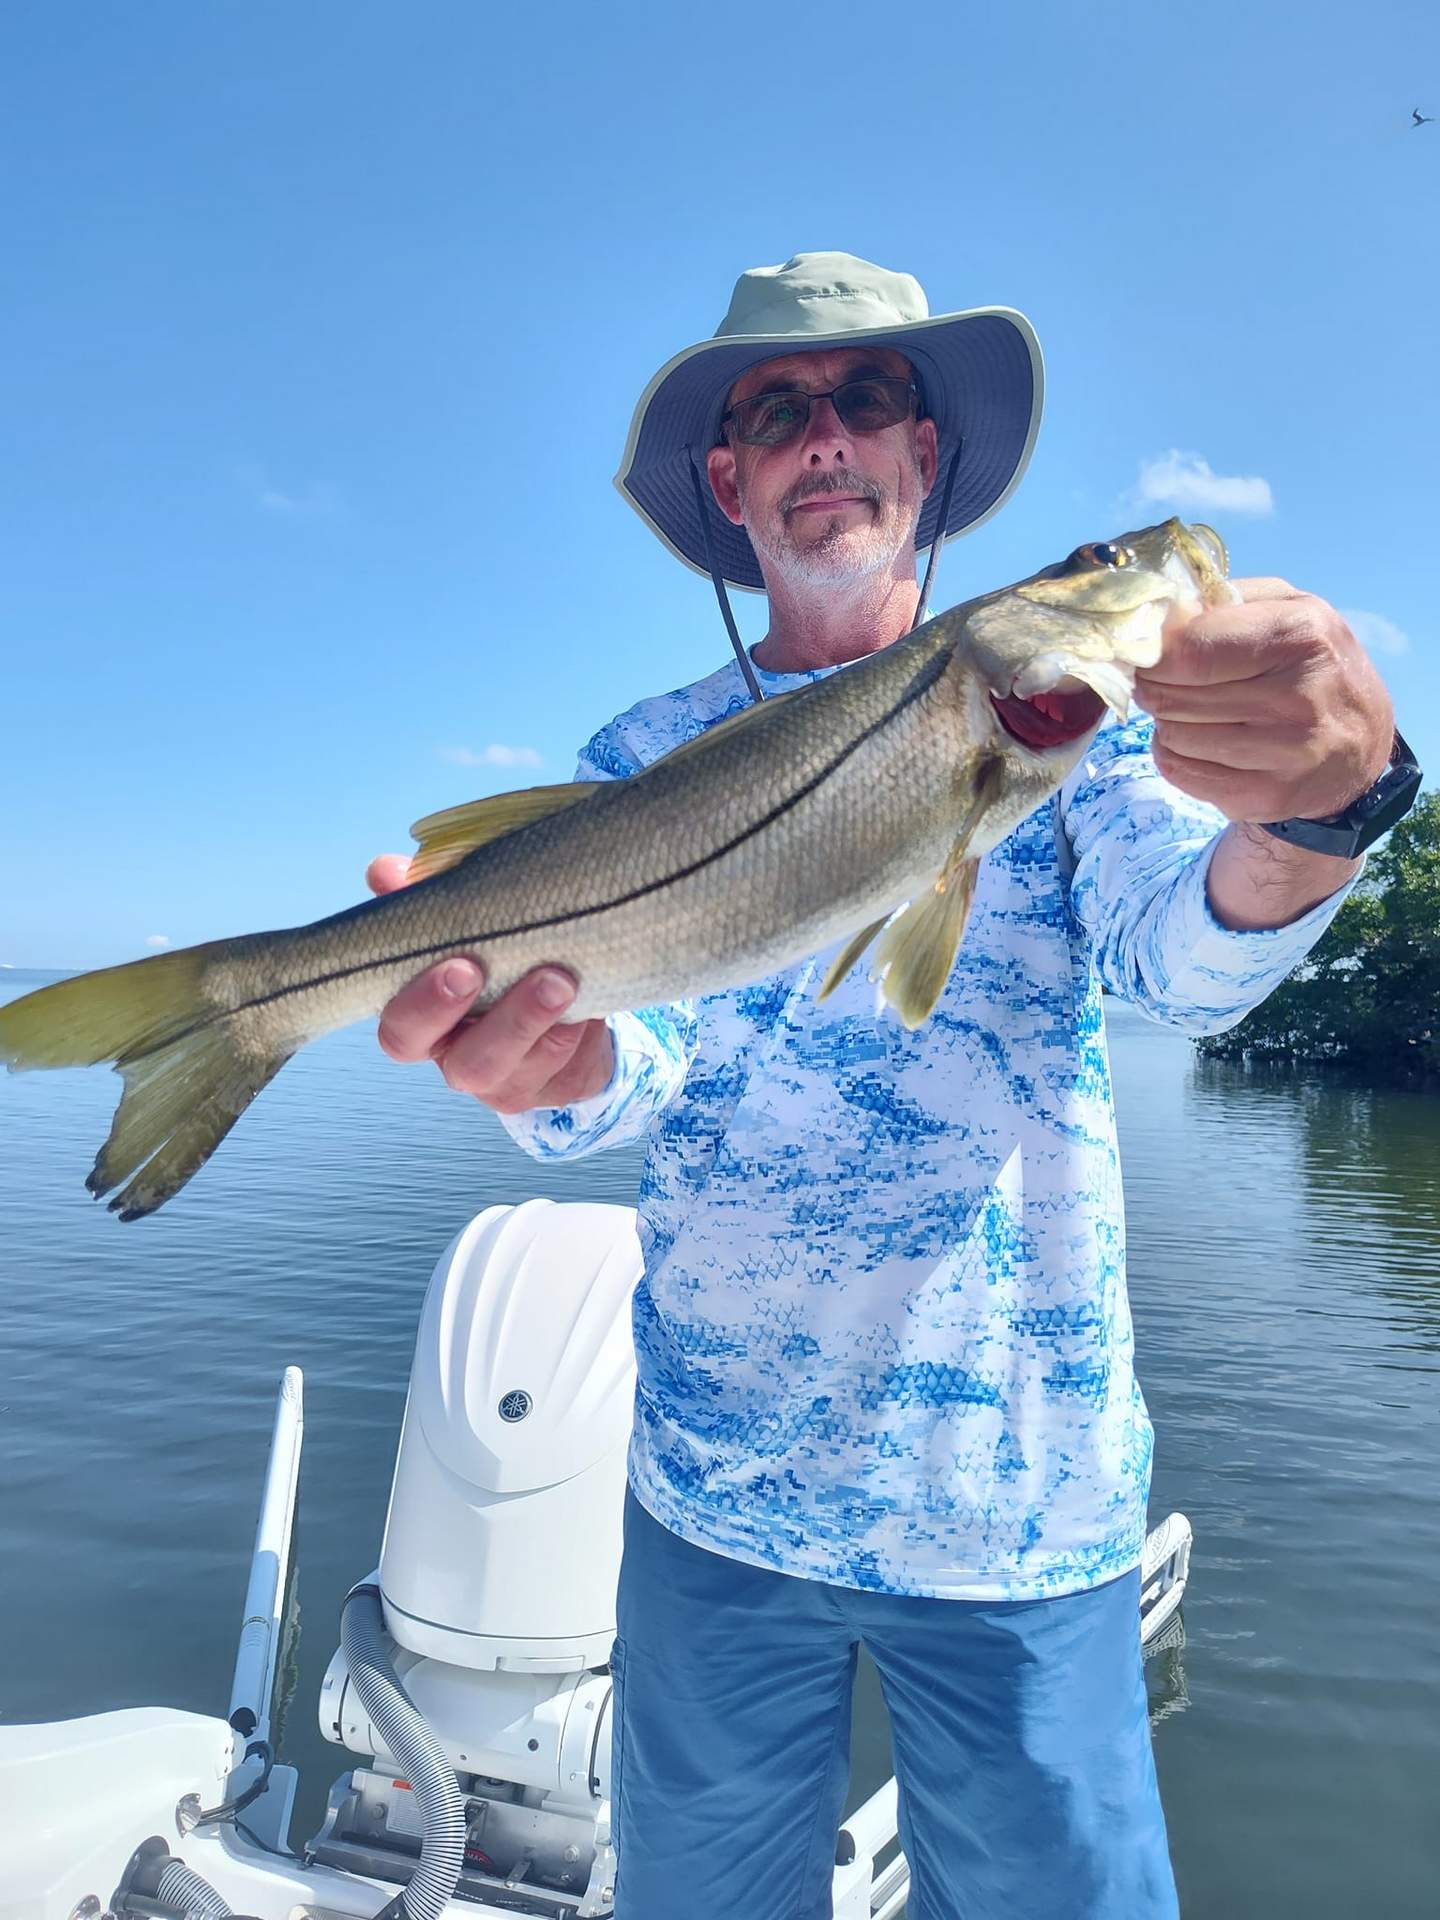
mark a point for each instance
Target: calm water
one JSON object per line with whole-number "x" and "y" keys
{"x": 1285, "y": 1272}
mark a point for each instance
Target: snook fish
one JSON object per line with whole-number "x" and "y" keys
{"x": 801, "y": 822}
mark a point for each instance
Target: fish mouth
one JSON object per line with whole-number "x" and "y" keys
{"x": 1050, "y": 719}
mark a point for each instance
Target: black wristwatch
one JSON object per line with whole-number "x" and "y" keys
{"x": 1361, "y": 824}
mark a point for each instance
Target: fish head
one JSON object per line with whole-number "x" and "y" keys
{"x": 1057, "y": 651}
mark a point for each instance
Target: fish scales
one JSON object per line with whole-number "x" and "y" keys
{"x": 702, "y": 873}
{"x": 858, "y": 806}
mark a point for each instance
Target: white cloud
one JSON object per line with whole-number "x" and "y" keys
{"x": 1184, "y": 480}
{"x": 492, "y": 756}
{"x": 1374, "y": 632}
{"x": 310, "y": 502}
{"x": 157, "y": 940}
{"x": 315, "y": 499}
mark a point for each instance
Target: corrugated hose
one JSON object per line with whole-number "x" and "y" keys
{"x": 195, "y": 1897}
{"x": 415, "y": 1749}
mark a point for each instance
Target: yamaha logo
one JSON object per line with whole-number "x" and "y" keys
{"x": 515, "y": 1405}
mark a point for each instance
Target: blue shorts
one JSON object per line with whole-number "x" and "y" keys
{"x": 1022, "y": 1744}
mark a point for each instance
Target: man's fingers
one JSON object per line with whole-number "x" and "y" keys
{"x": 488, "y": 1059}
{"x": 1267, "y": 702}
{"x": 518, "y": 1054}
{"x": 1218, "y": 645}
{"x": 387, "y": 872}
{"x": 588, "y": 1071}
{"x": 1245, "y": 748}
{"x": 1267, "y": 587}
{"x": 1244, "y": 641}
{"x": 543, "y": 1074}
{"x": 421, "y": 1017}
{"x": 1240, "y": 796}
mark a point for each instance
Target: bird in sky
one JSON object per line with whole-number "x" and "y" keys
{"x": 1422, "y": 119}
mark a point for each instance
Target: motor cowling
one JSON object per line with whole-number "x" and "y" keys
{"x": 503, "y": 1535}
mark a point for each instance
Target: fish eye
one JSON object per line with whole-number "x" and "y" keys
{"x": 1101, "y": 553}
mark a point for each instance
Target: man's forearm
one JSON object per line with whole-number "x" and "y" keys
{"x": 1257, "y": 882}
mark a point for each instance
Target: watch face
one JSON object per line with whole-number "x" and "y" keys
{"x": 1391, "y": 798}
{"x": 1362, "y": 823}
{"x": 1402, "y": 759}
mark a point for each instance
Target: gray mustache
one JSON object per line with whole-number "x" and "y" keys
{"x": 823, "y": 483}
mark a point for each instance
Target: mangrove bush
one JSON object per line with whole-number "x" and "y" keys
{"x": 1368, "y": 997}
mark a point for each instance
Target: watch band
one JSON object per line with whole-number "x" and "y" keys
{"x": 1346, "y": 835}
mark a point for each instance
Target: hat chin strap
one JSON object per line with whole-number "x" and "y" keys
{"x": 922, "y": 605}
{"x": 703, "y": 509}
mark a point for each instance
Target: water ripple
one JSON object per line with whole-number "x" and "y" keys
{"x": 1285, "y": 1275}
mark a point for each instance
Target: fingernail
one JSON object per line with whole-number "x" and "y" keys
{"x": 460, "y": 979}
{"x": 553, "y": 991}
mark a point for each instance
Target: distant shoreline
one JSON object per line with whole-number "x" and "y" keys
{"x": 1382, "y": 1076}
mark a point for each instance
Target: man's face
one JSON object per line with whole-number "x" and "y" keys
{"x": 831, "y": 504}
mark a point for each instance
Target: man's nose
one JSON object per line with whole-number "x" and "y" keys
{"x": 826, "y": 437}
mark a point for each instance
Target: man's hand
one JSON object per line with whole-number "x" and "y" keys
{"x": 516, "y": 1054}
{"x": 1268, "y": 709}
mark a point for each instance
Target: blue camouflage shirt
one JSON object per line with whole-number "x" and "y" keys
{"x": 882, "y": 1332}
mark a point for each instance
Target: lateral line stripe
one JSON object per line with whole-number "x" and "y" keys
{"x": 923, "y": 680}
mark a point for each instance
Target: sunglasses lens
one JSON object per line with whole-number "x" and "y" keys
{"x": 771, "y": 418}
{"x": 868, "y": 405}
{"x": 865, "y": 406}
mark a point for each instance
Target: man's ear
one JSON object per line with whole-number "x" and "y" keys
{"x": 927, "y": 452}
{"x": 720, "y": 465}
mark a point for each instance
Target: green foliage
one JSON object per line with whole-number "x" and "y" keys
{"x": 1368, "y": 997}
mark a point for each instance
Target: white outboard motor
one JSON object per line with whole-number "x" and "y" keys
{"x": 501, "y": 1554}
{"x": 502, "y": 1543}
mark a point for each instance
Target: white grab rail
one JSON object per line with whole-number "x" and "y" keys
{"x": 252, "y": 1690}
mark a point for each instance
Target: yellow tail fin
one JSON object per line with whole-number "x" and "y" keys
{"x": 190, "y": 1069}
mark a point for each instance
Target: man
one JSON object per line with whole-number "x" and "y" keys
{"x": 885, "y": 1386}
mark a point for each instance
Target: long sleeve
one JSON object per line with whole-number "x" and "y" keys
{"x": 653, "y": 1047}
{"x": 1142, "y": 852}
{"x": 652, "y": 1054}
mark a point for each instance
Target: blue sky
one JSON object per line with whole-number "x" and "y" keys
{"x": 324, "y": 325}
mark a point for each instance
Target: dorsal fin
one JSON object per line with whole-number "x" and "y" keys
{"x": 445, "y": 838}
{"x": 732, "y": 723}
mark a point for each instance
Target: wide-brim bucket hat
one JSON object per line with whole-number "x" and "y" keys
{"x": 981, "y": 377}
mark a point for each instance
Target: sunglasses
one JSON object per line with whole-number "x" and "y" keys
{"x": 864, "y": 406}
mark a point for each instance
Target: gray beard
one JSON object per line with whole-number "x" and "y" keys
{"x": 841, "y": 554}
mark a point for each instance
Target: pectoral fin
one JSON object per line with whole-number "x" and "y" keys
{"x": 446, "y": 838}
{"x": 918, "y": 948}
